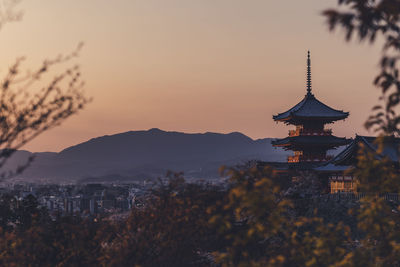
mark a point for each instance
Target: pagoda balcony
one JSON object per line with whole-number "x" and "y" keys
{"x": 304, "y": 132}
{"x": 302, "y": 158}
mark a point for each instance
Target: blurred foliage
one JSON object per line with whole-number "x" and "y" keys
{"x": 256, "y": 218}
{"x": 170, "y": 230}
{"x": 248, "y": 222}
{"x": 371, "y": 20}
{"x": 262, "y": 229}
{"x": 376, "y": 173}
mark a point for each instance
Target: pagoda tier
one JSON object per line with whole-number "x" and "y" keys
{"x": 310, "y": 111}
{"x": 310, "y": 141}
{"x": 303, "y": 142}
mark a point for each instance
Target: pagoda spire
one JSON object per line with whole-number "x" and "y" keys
{"x": 308, "y": 73}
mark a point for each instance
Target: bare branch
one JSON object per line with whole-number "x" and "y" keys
{"x": 24, "y": 116}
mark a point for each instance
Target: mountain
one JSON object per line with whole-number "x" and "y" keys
{"x": 146, "y": 154}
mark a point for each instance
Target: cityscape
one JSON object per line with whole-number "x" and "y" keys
{"x": 87, "y": 200}
{"x": 200, "y": 133}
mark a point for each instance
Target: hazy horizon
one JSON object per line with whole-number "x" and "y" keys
{"x": 145, "y": 130}
{"x": 194, "y": 66}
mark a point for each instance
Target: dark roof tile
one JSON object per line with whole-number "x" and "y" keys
{"x": 311, "y": 107}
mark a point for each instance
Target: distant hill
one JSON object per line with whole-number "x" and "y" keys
{"x": 146, "y": 154}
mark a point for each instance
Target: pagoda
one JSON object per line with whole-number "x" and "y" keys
{"x": 310, "y": 141}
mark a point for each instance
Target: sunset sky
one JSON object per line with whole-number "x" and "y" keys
{"x": 194, "y": 65}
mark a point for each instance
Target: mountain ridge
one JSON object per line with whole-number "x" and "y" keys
{"x": 148, "y": 154}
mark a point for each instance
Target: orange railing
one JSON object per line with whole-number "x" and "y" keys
{"x": 301, "y": 158}
{"x": 299, "y": 132}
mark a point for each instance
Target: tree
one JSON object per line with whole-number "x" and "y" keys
{"x": 28, "y": 105}
{"x": 262, "y": 229}
{"x": 377, "y": 218}
{"x": 170, "y": 229}
{"x": 7, "y": 211}
{"x": 370, "y": 20}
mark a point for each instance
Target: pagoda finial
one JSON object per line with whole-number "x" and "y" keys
{"x": 308, "y": 73}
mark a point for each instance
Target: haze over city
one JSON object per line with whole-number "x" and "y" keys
{"x": 199, "y": 133}
{"x": 194, "y": 66}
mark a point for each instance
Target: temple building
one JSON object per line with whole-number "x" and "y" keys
{"x": 310, "y": 140}
{"x": 337, "y": 169}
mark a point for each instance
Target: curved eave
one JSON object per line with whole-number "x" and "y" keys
{"x": 293, "y": 119}
{"x": 307, "y": 141}
{"x": 281, "y": 145}
{"x": 281, "y": 167}
{"x": 331, "y": 168}
{"x": 275, "y": 117}
{"x": 333, "y": 118}
{"x": 349, "y": 154}
{"x": 295, "y": 147}
{"x": 310, "y": 108}
{"x": 345, "y": 156}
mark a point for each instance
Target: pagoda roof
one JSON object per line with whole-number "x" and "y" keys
{"x": 330, "y": 167}
{"x": 348, "y": 157}
{"x": 390, "y": 149}
{"x": 310, "y": 140}
{"x": 310, "y": 108}
{"x": 287, "y": 166}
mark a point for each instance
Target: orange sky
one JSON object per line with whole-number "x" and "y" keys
{"x": 194, "y": 65}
